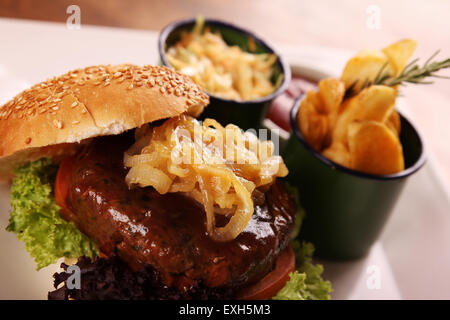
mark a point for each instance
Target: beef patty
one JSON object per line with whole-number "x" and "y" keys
{"x": 167, "y": 231}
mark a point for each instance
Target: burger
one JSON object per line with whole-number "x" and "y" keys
{"x": 111, "y": 170}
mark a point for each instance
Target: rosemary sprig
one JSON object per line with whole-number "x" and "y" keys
{"x": 412, "y": 73}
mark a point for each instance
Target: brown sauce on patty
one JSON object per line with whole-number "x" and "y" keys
{"x": 167, "y": 231}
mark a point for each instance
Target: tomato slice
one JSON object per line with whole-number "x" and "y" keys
{"x": 62, "y": 183}
{"x": 273, "y": 282}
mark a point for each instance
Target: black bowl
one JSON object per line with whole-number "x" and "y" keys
{"x": 346, "y": 210}
{"x": 245, "y": 114}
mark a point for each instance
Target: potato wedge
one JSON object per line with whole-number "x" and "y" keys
{"x": 375, "y": 103}
{"x": 349, "y": 109}
{"x": 313, "y": 125}
{"x": 363, "y": 67}
{"x": 393, "y": 123}
{"x": 338, "y": 153}
{"x": 374, "y": 148}
{"x": 399, "y": 53}
{"x": 331, "y": 92}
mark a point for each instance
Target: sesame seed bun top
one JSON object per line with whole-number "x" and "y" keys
{"x": 53, "y": 117}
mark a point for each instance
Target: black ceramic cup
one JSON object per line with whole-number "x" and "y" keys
{"x": 246, "y": 114}
{"x": 346, "y": 210}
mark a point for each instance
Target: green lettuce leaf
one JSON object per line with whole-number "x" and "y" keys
{"x": 305, "y": 282}
{"x": 36, "y": 220}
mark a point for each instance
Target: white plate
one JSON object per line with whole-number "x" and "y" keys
{"x": 412, "y": 258}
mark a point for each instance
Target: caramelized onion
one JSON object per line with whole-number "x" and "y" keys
{"x": 220, "y": 167}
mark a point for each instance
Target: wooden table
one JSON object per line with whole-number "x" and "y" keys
{"x": 342, "y": 24}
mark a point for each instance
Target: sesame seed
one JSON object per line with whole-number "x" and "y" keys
{"x": 39, "y": 100}
{"x": 28, "y": 140}
{"x": 58, "y": 124}
{"x": 75, "y": 122}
